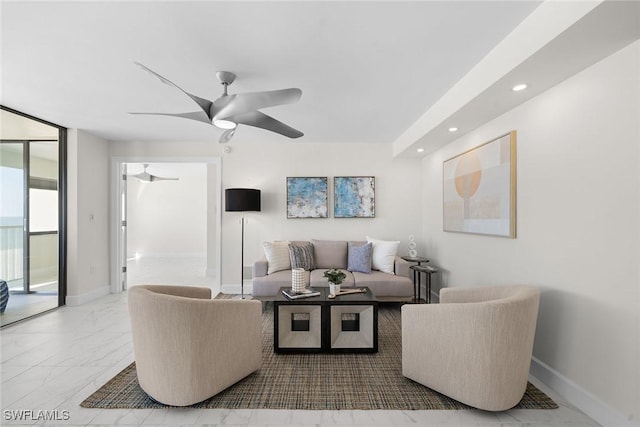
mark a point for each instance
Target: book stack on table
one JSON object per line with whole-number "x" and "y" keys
{"x": 307, "y": 293}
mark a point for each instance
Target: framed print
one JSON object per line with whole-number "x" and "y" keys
{"x": 307, "y": 197}
{"x": 479, "y": 189}
{"x": 354, "y": 197}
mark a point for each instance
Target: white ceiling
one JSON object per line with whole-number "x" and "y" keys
{"x": 369, "y": 70}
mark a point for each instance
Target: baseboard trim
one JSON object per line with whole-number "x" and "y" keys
{"x": 578, "y": 397}
{"x": 88, "y": 296}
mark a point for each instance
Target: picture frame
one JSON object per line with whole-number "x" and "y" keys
{"x": 354, "y": 197}
{"x": 479, "y": 189}
{"x": 307, "y": 197}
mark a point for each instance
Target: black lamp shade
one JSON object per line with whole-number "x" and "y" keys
{"x": 241, "y": 199}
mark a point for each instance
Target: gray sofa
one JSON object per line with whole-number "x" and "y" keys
{"x": 333, "y": 254}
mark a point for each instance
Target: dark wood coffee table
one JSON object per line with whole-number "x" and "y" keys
{"x": 344, "y": 324}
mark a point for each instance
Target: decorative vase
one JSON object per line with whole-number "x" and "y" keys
{"x": 298, "y": 279}
{"x": 412, "y": 246}
{"x": 334, "y": 289}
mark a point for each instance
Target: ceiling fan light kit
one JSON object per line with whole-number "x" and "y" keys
{"x": 229, "y": 111}
{"x": 224, "y": 124}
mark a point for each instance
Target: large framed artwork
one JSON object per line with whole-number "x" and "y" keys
{"x": 479, "y": 189}
{"x": 307, "y": 197}
{"x": 354, "y": 197}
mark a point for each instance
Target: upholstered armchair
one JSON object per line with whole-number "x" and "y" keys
{"x": 475, "y": 346}
{"x": 189, "y": 347}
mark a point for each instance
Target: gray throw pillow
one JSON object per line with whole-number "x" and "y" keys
{"x": 359, "y": 257}
{"x": 301, "y": 256}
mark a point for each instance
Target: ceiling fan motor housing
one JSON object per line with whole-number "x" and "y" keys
{"x": 226, "y": 77}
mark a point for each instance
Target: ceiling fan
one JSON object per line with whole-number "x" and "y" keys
{"x": 229, "y": 111}
{"x": 147, "y": 177}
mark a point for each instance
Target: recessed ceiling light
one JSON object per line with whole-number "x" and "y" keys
{"x": 420, "y": 150}
{"x": 518, "y": 88}
{"x": 453, "y": 129}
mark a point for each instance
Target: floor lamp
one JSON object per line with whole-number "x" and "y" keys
{"x": 242, "y": 200}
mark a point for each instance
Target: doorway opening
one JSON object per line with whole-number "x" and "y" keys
{"x": 167, "y": 221}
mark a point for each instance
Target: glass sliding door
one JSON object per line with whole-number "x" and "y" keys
{"x": 12, "y": 209}
{"x": 43, "y": 222}
{"x": 31, "y": 237}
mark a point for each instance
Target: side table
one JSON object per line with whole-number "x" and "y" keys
{"x": 416, "y": 278}
{"x": 298, "y": 325}
{"x": 428, "y": 270}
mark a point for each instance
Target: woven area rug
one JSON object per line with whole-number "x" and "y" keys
{"x": 315, "y": 381}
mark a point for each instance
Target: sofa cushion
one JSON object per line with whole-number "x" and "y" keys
{"x": 301, "y": 255}
{"x": 277, "y": 254}
{"x": 359, "y": 257}
{"x": 317, "y": 278}
{"x": 268, "y": 286}
{"x": 384, "y": 284}
{"x": 330, "y": 253}
{"x": 384, "y": 254}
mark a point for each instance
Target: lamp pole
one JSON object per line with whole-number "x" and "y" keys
{"x": 242, "y": 200}
{"x": 242, "y": 260}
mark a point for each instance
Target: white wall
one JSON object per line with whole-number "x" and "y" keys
{"x": 168, "y": 218}
{"x": 266, "y": 166}
{"x": 578, "y": 225}
{"x": 87, "y": 217}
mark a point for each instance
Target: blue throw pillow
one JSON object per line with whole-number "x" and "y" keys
{"x": 359, "y": 257}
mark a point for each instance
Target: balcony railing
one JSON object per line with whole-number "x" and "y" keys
{"x": 43, "y": 258}
{"x": 11, "y": 253}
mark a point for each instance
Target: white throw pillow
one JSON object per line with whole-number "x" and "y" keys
{"x": 384, "y": 254}
{"x": 277, "y": 254}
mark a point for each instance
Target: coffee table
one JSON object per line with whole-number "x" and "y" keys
{"x": 344, "y": 324}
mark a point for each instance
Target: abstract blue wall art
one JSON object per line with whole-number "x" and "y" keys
{"x": 354, "y": 197}
{"x": 307, "y": 197}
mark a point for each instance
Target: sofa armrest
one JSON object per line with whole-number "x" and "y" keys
{"x": 260, "y": 268}
{"x": 401, "y": 267}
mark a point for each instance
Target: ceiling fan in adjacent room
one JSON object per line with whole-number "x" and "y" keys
{"x": 147, "y": 177}
{"x": 229, "y": 111}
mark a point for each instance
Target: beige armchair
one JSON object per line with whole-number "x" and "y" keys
{"x": 189, "y": 347}
{"x": 475, "y": 346}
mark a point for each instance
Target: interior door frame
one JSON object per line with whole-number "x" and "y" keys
{"x": 116, "y": 183}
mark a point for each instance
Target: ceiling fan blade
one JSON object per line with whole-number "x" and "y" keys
{"x": 147, "y": 177}
{"x": 205, "y": 104}
{"x": 261, "y": 120}
{"x": 195, "y": 115}
{"x": 241, "y": 103}
{"x": 227, "y": 135}
{"x": 159, "y": 178}
{"x": 143, "y": 176}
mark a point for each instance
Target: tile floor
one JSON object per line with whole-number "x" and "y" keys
{"x": 54, "y": 361}
{"x": 21, "y": 306}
